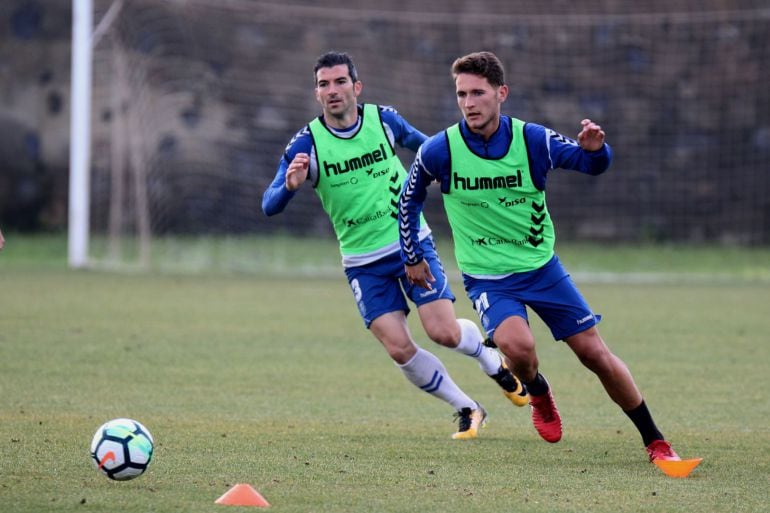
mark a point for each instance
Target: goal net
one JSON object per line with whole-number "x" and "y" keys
{"x": 194, "y": 102}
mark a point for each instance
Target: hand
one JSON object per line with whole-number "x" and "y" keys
{"x": 419, "y": 274}
{"x": 296, "y": 173}
{"x": 591, "y": 137}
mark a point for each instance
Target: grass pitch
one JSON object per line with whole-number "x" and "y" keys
{"x": 273, "y": 381}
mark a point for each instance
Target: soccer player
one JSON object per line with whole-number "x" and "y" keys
{"x": 347, "y": 155}
{"x": 492, "y": 171}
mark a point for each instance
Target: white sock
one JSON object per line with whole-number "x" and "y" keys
{"x": 471, "y": 344}
{"x": 427, "y": 373}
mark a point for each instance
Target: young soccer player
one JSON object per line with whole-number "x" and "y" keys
{"x": 492, "y": 171}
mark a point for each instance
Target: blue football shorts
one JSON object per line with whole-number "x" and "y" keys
{"x": 381, "y": 287}
{"x": 548, "y": 291}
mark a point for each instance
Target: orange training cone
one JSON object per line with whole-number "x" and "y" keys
{"x": 242, "y": 495}
{"x": 678, "y": 468}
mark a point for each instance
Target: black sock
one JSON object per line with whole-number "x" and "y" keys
{"x": 642, "y": 419}
{"x": 538, "y": 386}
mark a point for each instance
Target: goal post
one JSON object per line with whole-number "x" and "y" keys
{"x": 80, "y": 133}
{"x": 85, "y": 37}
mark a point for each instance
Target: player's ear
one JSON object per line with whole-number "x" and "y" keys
{"x": 357, "y": 87}
{"x": 502, "y": 93}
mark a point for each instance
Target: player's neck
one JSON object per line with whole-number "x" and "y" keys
{"x": 487, "y": 130}
{"x": 343, "y": 122}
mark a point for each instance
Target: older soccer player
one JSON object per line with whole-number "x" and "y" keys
{"x": 347, "y": 155}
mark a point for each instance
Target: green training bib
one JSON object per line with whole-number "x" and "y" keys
{"x": 499, "y": 219}
{"x": 359, "y": 182}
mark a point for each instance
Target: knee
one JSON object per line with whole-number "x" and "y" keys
{"x": 401, "y": 353}
{"x": 517, "y": 349}
{"x": 399, "y": 346}
{"x": 446, "y": 334}
{"x": 594, "y": 353}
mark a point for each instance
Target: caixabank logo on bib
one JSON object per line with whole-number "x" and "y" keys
{"x": 496, "y": 241}
{"x": 367, "y": 218}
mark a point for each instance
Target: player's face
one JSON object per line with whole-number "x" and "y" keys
{"x": 480, "y": 103}
{"x": 337, "y": 93}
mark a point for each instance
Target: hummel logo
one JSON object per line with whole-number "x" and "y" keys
{"x": 560, "y": 138}
{"x": 356, "y": 163}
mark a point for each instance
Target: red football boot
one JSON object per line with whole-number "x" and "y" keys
{"x": 545, "y": 416}
{"x": 661, "y": 450}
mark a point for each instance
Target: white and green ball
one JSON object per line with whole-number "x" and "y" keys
{"x": 122, "y": 449}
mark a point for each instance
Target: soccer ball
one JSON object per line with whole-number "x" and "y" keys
{"x": 122, "y": 449}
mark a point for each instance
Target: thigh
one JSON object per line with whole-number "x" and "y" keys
{"x": 514, "y": 337}
{"x": 588, "y": 345}
{"x": 440, "y": 322}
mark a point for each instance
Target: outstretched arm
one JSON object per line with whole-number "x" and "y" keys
{"x": 548, "y": 149}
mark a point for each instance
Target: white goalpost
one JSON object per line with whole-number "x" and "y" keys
{"x": 80, "y": 133}
{"x": 84, "y": 40}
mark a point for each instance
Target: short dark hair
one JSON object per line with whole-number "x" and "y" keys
{"x": 483, "y": 64}
{"x": 331, "y": 59}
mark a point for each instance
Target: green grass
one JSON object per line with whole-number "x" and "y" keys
{"x": 287, "y": 256}
{"x": 273, "y": 381}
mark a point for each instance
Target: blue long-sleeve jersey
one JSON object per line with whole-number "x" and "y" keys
{"x": 398, "y": 130}
{"x": 546, "y": 149}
